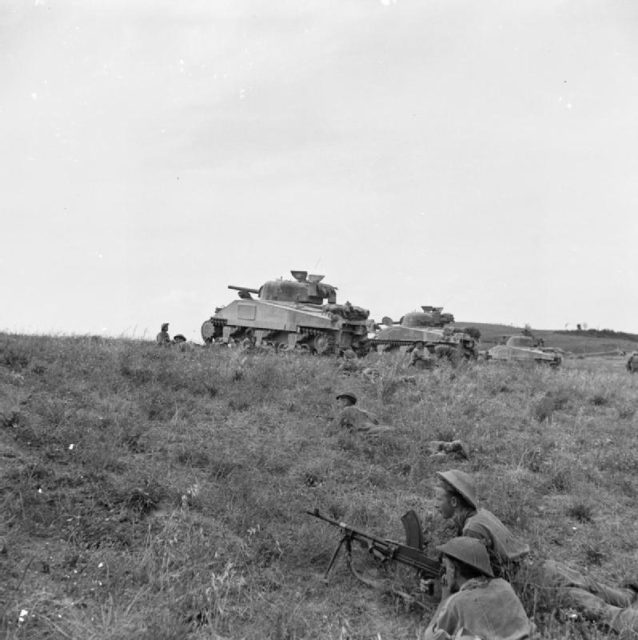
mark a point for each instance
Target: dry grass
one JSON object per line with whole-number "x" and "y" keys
{"x": 160, "y": 493}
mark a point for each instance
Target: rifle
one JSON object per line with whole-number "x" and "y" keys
{"x": 385, "y": 550}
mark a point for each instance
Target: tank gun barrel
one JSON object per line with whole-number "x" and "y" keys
{"x": 236, "y": 288}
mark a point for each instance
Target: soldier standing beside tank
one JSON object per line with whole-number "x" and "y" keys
{"x": 420, "y": 357}
{"x": 162, "y": 337}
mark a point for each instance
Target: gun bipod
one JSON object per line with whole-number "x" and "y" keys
{"x": 369, "y": 582}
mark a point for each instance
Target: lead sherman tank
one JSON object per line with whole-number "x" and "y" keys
{"x": 430, "y": 326}
{"x": 291, "y": 313}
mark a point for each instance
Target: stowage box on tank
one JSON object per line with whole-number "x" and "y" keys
{"x": 299, "y": 313}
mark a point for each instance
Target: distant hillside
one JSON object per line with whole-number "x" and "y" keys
{"x": 591, "y": 340}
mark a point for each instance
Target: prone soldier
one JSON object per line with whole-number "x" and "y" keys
{"x": 354, "y": 419}
{"x": 474, "y": 603}
{"x": 611, "y": 606}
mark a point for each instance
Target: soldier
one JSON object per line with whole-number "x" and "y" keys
{"x": 420, "y": 357}
{"x": 353, "y": 418}
{"x": 611, "y": 606}
{"x": 474, "y": 604}
{"x": 349, "y": 364}
{"x": 632, "y": 363}
{"x": 162, "y": 337}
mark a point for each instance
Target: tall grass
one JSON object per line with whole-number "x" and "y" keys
{"x": 160, "y": 493}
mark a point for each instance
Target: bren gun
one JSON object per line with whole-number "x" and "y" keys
{"x": 410, "y": 554}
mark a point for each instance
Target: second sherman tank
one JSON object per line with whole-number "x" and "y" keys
{"x": 300, "y": 313}
{"x": 430, "y": 326}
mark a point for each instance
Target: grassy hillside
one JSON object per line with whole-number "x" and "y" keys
{"x": 575, "y": 342}
{"x": 155, "y": 493}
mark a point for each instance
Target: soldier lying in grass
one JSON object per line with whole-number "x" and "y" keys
{"x": 613, "y": 607}
{"x": 352, "y": 418}
{"x": 475, "y": 605}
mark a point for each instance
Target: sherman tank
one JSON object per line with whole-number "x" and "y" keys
{"x": 431, "y": 326}
{"x": 300, "y": 313}
{"x": 524, "y": 348}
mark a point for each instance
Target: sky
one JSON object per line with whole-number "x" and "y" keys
{"x": 481, "y": 156}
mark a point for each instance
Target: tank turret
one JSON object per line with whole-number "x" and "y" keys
{"x": 428, "y": 317}
{"x": 304, "y": 289}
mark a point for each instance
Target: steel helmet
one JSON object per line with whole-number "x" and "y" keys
{"x": 348, "y": 394}
{"x": 462, "y": 483}
{"x": 469, "y": 551}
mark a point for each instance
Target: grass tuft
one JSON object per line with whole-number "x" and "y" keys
{"x": 580, "y": 511}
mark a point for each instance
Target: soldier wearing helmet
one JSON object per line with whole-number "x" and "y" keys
{"x": 613, "y": 607}
{"x": 162, "y": 337}
{"x": 346, "y": 399}
{"x": 475, "y": 604}
{"x": 420, "y": 357}
{"x": 457, "y": 500}
{"x": 353, "y": 419}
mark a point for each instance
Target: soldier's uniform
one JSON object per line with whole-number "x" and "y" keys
{"x": 613, "y": 606}
{"x": 163, "y": 337}
{"x": 506, "y": 551}
{"x": 353, "y": 419}
{"x": 483, "y": 607}
{"x": 420, "y": 358}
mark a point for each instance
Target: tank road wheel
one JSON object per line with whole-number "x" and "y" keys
{"x": 322, "y": 344}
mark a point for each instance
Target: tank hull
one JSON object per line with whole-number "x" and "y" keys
{"x": 506, "y": 352}
{"x": 287, "y": 324}
{"x": 440, "y": 342}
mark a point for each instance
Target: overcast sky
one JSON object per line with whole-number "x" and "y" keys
{"x": 482, "y": 156}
